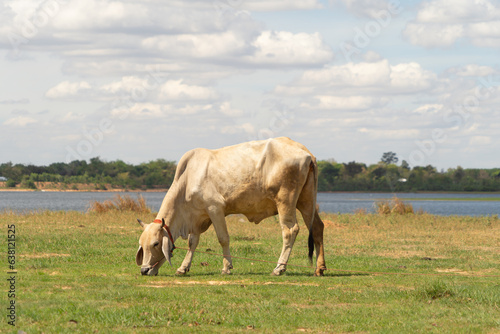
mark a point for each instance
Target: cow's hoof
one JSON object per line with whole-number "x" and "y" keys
{"x": 277, "y": 272}
{"x": 319, "y": 272}
{"x": 180, "y": 272}
{"x": 226, "y": 272}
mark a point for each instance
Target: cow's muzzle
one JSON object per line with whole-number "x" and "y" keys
{"x": 150, "y": 271}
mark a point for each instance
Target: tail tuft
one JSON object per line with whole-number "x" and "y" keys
{"x": 311, "y": 246}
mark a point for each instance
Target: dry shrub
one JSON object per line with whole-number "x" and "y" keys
{"x": 361, "y": 211}
{"x": 395, "y": 206}
{"x": 120, "y": 203}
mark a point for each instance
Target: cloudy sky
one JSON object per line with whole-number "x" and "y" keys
{"x": 350, "y": 79}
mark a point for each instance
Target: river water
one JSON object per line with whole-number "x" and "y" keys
{"x": 433, "y": 203}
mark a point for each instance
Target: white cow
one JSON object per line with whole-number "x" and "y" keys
{"x": 258, "y": 179}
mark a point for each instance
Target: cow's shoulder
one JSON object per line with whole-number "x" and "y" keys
{"x": 194, "y": 159}
{"x": 285, "y": 151}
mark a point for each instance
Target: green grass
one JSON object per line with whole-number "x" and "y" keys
{"x": 77, "y": 273}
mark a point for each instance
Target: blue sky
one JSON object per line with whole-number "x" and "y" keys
{"x": 351, "y": 79}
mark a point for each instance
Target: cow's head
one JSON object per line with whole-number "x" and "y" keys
{"x": 154, "y": 248}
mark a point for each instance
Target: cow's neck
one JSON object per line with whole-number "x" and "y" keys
{"x": 172, "y": 211}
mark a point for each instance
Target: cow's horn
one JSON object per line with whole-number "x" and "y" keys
{"x": 140, "y": 222}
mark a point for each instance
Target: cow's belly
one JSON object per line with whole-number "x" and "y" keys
{"x": 255, "y": 210}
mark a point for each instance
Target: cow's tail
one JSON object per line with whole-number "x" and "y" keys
{"x": 314, "y": 169}
{"x": 311, "y": 246}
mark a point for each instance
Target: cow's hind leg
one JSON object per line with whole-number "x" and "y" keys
{"x": 219, "y": 222}
{"x": 194, "y": 239}
{"x": 317, "y": 235}
{"x": 290, "y": 229}
{"x": 316, "y": 227}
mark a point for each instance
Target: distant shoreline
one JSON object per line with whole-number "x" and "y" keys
{"x": 164, "y": 190}
{"x": 85, "y": 190}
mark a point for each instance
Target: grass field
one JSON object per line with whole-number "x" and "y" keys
{"x": 76, "y": 272}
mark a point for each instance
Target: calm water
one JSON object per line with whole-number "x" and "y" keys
{"x": 329, "y": 202}
{"x": 349, "y": 202}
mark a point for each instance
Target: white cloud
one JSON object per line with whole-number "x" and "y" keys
{"x": 371, "y": 8}
{"x": 472, "y": 70}
{"x": 134, "y": 89}
{"x": 452, "y": 11}
{"x": 67, "y": 89}
{"x": 139, "y": 111}
{"x": 485, "y": 34}
{"x": 228, "y": 110}
{"x": 278, "y": 48}
{"x": 276, "y": 5}
{"x": 411, "y": 77}
{"x": 126, "y": 85}
{"x": 176, "y": 90}
{"x": 441, "y": 23}
{"x": 152, "y": 110}
{"x": 429, "y": 109}
{"x": 20, "y": 121}
{"x": 95, "y": 14}
{"x": 327, "y": 102}
{"x": 213, "y": 45}
{"x": 376, "y": 77}
{"x": 433, "y": 34}
{"x": 71, "y": 117}
{"x": 350, "y": 74}
{"x": 192, "y": 109}
{"x": 286, "y": 48}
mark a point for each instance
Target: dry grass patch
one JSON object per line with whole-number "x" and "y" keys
{"x": 164, "y": 284}
{"x": 120, "y": 203}
{"x": 404, "y": 236}
{"x": 394, "y": 206}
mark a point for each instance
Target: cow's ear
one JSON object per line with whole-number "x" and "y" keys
{"x": 140, "y": 222}
{"x": 138, "y": 256}
{"x": 166, "y": 247}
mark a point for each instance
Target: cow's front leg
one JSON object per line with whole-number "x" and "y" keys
{"x": 186, "y": 264}
{"x": 219, "y": 222}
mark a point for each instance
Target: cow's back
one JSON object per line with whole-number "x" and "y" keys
{"x": 244, "y": 178}
{"x": 263, "y": 164}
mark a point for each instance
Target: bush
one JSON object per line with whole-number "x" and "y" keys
{"x": 29, "y": 184}
{"x": 395, "y": 206}
{"x": 11, "y": 183}
{"x": 119, "y": 203}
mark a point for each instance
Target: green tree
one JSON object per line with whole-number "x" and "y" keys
{"x": 353, "y": 168}
{"x": 405, "y": 165}
{"x": 389, "y": 158}
{"x": 327, "y": 174}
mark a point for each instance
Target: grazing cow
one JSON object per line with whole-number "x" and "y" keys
{"x": 258, "y": 179}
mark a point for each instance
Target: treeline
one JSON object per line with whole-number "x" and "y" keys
{"x": 333, "y": 176}
{"x": 154, "y": 174}
{"x": 355, "y": 176}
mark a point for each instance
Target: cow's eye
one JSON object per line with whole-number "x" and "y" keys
{"x": 156, "y": 244}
